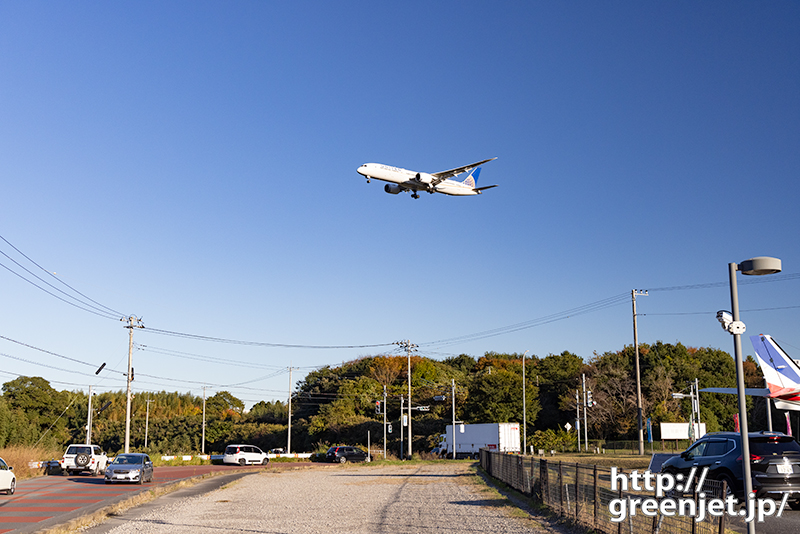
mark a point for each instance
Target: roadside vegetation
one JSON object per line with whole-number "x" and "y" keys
{"x": 337, "y": 405}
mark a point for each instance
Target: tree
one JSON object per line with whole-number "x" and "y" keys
{"x": 496, "y": 397}
{"x": 224, "y": 404}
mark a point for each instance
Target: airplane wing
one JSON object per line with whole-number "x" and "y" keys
{"x": 439, "y": 177}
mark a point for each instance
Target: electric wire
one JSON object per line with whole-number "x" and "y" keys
{"x": 580, "y": 310}
{"x": 258, "y": 343}
{"x": 95, "y": 307}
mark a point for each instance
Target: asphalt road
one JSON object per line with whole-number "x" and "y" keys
{"x": 48, "y": 501}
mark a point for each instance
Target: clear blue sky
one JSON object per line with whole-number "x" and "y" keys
{"x": 194, "y": 164}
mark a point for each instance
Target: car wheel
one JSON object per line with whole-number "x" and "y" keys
{"x": 795, "y": 505}
{"x": 242, "y": 461}
{"x": 82, "y": 460}
{"x": 12, "y": 488}
{"x": 342, "y": 459}
{"x": 265, "y": 461}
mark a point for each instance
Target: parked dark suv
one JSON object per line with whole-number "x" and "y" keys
{"x": 344, "y": 454}
{"x": 774, "y": 463}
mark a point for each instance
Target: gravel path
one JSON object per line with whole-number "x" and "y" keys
{"x": 342, "y": 499}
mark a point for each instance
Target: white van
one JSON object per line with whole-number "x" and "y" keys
{"x": 244, "y": 455}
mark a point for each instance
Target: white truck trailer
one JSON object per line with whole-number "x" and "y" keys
{"x": 470, "y": 439}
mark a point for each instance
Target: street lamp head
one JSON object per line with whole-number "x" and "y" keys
{"x": 760, "y": 266}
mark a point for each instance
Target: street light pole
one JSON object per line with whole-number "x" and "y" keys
{"x": 755, "y": 266}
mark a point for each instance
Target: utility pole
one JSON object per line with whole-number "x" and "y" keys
{"x": 203, "y": 438}
{"x": 402, "y": 415}
{"x": 634, "y": 293}
{"x": 697, "y": 403}
{"x": 453, "y": 394}
{"x": 524, "y": 409}
{"x": 585, "y": 420}
{"x": 769, "y": 409}
{"x": 578, "y": 418}
{"x": 131, "y": 320}
{"x": 384, "y": 421}
{"x": 289, "y": 405}
{"x": 89, "y": 420}
{"x": 147, "y": 421}
{"x": 409, "y": 347}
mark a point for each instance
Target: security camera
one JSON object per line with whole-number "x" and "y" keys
{"x": 728, "y": 324}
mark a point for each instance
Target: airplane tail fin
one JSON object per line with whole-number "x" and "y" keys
{"x": 780, "y": 371}
{"x": 472, "y": 179}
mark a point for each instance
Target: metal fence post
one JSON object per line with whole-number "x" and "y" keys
{"x": 722, "y": 517}
{"x": 561, "y": 487}
{"x": 596, "y": 499}
{"x": 577, "y": 491}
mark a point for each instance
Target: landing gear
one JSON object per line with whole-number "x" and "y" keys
{"x": 414, "y": 195}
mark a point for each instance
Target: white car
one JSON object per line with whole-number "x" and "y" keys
{"x": 244, "y": 455}
{"x": 8, "y": 480}
{"x": 83, "y": 457}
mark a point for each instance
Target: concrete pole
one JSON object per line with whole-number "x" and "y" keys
{"x": 384, "y": 422}
{"x": 524, "y": 408}
{"x": 89, "y": 420}
{"x": 453, "y": 394}
{"x": 585, "y": 419}
{"x": 289, "y": 404}
{"x": 638, "y": 372}
{"x": 128, "y": 391}
{"x": 408, "y": 350}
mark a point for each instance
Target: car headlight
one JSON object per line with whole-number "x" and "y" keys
{"x": 135, "y": 472}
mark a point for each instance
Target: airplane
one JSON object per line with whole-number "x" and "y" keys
{"x": 781, "y": 373}
{"x": 401, "y": 180}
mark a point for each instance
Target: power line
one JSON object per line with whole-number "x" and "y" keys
{"x": 92, "y": 306}
{"x": 258, "y": 343}
{"x": 580, "y": 310}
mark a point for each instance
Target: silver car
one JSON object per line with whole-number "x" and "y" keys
{"x": 131, "y": 467}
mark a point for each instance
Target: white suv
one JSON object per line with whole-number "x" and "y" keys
{"x": 244, "y": 454}
{"x": 82, "y": 457}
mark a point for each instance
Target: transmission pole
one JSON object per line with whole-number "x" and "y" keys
{"x": 634, "y": 293}
{"x": 131, "y": 320}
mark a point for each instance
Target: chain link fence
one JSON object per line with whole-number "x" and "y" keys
{"x": 583, "y": 494}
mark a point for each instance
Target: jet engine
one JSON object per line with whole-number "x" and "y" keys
{"x": 424, "y": 177}
{"x": 392, "y": 189}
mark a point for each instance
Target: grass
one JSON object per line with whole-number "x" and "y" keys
{"x": 623, "y": 461}
{"x": 18, "y": 457}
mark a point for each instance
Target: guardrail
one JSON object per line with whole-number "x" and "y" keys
{"x": 213, "y": 457}
{"x": 583, "y": 493}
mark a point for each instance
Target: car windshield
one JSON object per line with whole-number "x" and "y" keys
{"x": 127, "y": 460}
{"x": 774, "y": 446}
{"x": 79, "y": 450}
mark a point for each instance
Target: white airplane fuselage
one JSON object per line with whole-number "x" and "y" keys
{"x": 405, "y": 179}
